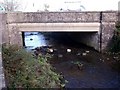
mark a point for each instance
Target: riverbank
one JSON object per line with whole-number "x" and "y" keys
{"x": 23, "y": 70}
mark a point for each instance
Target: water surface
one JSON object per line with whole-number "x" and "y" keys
{"x": 95, "y": 73}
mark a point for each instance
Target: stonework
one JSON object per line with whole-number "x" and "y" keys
{"x": 13, "y": 34}
{"x": 109, "y": 16}
{"x": 107, "y": 34}
{"x": 53, "y": 17}
{"x": 3, "y": 28}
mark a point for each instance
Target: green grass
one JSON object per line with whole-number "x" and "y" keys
{"x": 22, "y": 70}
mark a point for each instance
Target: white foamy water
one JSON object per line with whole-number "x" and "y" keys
{"x": 34, "y": 40}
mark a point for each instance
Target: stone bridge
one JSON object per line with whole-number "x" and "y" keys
{"x": 96, "y": 28}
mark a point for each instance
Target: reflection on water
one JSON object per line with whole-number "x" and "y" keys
{"x": 34, "y": 39}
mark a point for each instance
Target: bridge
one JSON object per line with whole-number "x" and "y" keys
{"x": 96, "y": 29}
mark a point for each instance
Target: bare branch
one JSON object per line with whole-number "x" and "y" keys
{"x": 11, "y": 5}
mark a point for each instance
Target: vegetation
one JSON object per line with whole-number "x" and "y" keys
{"x": 22, "y": 70}
{"x": 116, "y": 48}
{"x": 116, "y": 39}
{"x": 78, "y": 64}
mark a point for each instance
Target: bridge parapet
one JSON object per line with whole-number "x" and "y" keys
{"x": 60, "y": 17}
{"x": 109, "y": 16}
{"x": 53, "y": 17}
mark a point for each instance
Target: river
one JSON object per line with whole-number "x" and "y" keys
{"x": 81, "y": 66}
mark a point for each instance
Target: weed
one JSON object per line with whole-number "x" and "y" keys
{"x": 22, "y": 70}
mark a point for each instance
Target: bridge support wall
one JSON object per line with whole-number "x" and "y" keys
{"x": 108, "y": 30}
{"x": 4, "y": 34}
{"x": 88, "y": 38}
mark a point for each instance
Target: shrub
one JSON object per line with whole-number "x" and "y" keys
{"x": 116, "y": 44}
{"x": 22, "y": 70}
{"x": 116, "y": 48}
{"x": 116, "y": 39}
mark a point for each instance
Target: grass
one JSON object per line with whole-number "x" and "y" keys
{"x": 22, "y": 70}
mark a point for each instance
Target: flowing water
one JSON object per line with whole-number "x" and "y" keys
{"x": 81, "y": 66}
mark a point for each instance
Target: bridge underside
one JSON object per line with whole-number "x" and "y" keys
{"x": 90, "y": 30}
{"x": 88, "y": 38}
